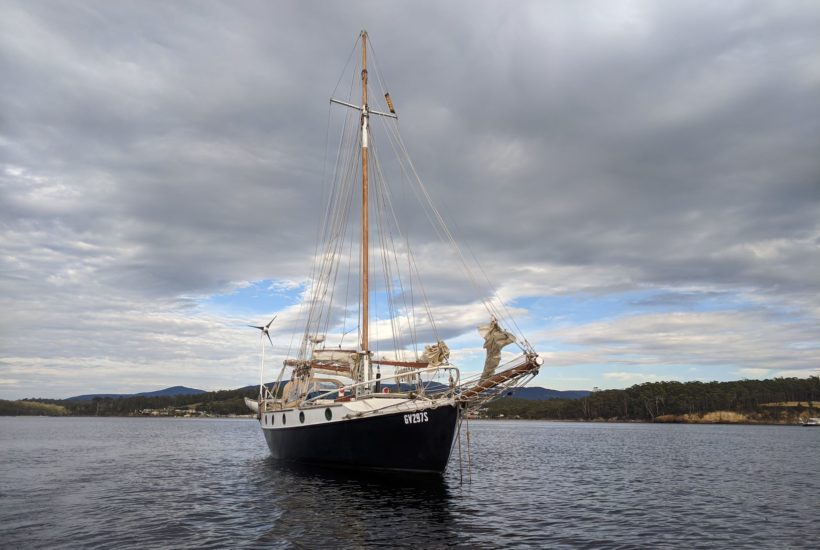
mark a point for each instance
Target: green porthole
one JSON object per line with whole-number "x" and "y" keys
{"x": 301, "y": 417}
{"x": 328, "y": 414}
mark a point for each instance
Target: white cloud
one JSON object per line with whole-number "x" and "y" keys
{"x": 753, "y": 341}
{"x": 755, "y": 373}
{"x": 632, "y": 377}
{"x": 152, "y": 159}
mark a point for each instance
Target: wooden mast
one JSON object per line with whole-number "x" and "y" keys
{"x": 365, "y": 221}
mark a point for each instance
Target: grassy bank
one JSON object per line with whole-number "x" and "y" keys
{"x": 31, "y": 408}
{"x": 777, "y": 401}
{"x": 731, "y": 417}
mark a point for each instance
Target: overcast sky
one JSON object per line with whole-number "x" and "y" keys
{"x": 641, "y": 180}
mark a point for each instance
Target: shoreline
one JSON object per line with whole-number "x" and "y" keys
{"x": 549, "y": 420}
{"x": 604, "y": 421}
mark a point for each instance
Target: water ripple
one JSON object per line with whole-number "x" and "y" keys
{"x": 136, "y": 483}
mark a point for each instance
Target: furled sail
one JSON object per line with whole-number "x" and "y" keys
{"x": 335, "y": 361}
{"x": 436, "y": 354}
{"x": 495, "y": 338}
{"x": 252, "y": 405}
{"x": 290, "y": 392}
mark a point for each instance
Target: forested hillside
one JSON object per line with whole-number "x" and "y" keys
{"x": 777, "y": 400}
{"x": 222, "y": 402}
{"x": 757, "y": 400}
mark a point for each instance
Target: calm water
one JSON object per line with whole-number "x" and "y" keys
{"x": 149, "y": 483}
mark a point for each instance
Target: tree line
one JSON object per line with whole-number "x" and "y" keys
{"x": 222, "y": 402}
{"x": 651, "y": 400}
{"x": 642, "y": 402}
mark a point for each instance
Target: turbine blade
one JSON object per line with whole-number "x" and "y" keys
{"x": 271, "y": 321}
{"x": 269, "y": 340}
{"x": 254, "y": 326}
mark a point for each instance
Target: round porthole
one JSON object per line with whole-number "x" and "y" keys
{"x": 302, "y": 417}
{"x": 284, "y": 419}
{"x": 328, "y": 414}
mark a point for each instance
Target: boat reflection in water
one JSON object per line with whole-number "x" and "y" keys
{"x": 329, "y": 506}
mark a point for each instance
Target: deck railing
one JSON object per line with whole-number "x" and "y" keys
{"x": 453, "y": 383}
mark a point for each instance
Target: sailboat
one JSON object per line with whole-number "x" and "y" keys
{"x": 382, "y": 402}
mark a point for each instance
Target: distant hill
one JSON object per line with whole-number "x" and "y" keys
{"x": 544, "y": 394}
{"x": 531, "y": 393}
{"x": 170, "y": 392}
{"x": 167, "y": 392}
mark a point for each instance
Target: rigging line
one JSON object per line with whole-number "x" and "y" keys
{"x": 302, "y": 313}
{"x": 330, "y": 268}
{"x": 392, "y": 249}
{"x": 347, "y": 291}
{"x": 413, "y": 327}
{"x": 358, "y": 258}
{"x": 380, "y": 184}
{"x": 388, "y": 252}
{"x": 494, "y": 295}
{"x": 324, "y": 162}
{"x": 341, "y": 230}
{"x": 345, "y": 137}
{"x": 387, "y": 205}
{"x": 401, "y": 284}
{"x": 379, "y": 76}
{"x": 469, "y": 457}
{"x": 490, "y": 307}
{"x": 497, "y": 297}
{"x": 394, "y": 138}
{"x": 345, "y": 132}
{"x": 344, "y": 70}
{"x": 348, "y": 174}
{"x": 347, "y": 226}
{"x": 411, "y": 311}
{"x": 393, "y": 133}
{"x": 334, "y": 273}
{"x": 425, "y": 299}
{"x": 393, "y": 276}
{"x": 379, "y": 226}
{"x": 343, "y": 190}
{"x": 324, "y": 234}
{"x": 325, "y": 273}
{"x": 381, "y": 254}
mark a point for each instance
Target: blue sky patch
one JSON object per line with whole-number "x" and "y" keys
{"x": 264, "y": 296}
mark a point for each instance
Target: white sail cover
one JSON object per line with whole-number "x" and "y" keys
{"x": 436, "y": 354}
{"x": 335, "y": 361}
{"x": 341, "y": 356}
{"x": 495, "y": 338}
{"x": 252, "y": 405}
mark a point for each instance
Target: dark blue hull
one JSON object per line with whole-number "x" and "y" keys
{"x": 383, "y": 442}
